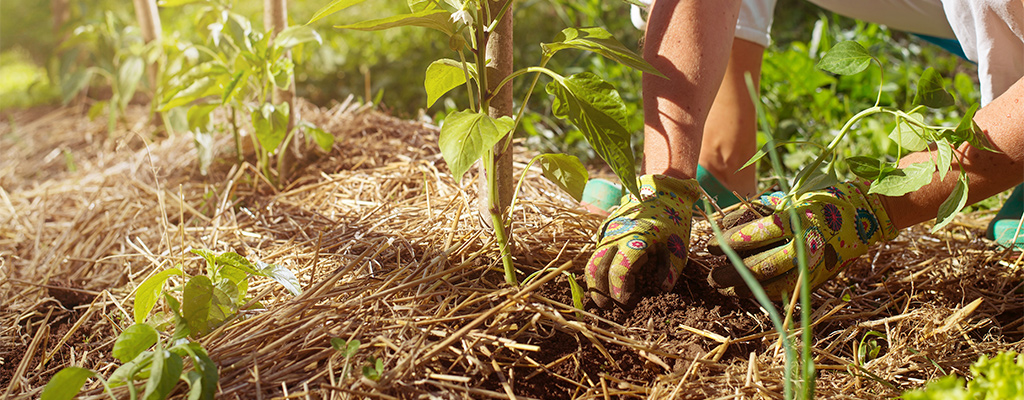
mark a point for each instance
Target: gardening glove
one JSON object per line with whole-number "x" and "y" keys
{"x": 643, "y": 244}
{"x": 840, "y": 223}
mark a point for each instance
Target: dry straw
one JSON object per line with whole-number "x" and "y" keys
{"x": 391, "y": 252}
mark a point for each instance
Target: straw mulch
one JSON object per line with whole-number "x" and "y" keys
{"x": 391, "y": 252}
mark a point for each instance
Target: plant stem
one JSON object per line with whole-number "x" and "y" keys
{"x": 494, "y": 206}
{"x": 238, "y": 138}
{"x": 469, "y": 86}
{"x": 498, "y": 220}
{"x": 830, "y": 149}
{"x": 529, "y": 92}
{"x": 501, "y": 13}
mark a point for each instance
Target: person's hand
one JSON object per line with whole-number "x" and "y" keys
{"x": 643, "y": 242}
{"x": 840, "y": 223}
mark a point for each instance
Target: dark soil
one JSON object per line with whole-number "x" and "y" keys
{"x": 657, "y": 319}
{"x": 86, "y": 339}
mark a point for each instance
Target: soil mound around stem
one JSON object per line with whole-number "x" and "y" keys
{"x": 389, "y": 250}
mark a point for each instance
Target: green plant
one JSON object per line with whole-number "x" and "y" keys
{"x": 348, "y": 349}
{"x": 111, "y": 50}
{"x": 869, "y": 348}
{"x": 468, "y": 135}
{"x": 911, "y": 133}
{"x": 201, "y": 304}
{"x": 237, "y": 69}
{"x": 999, "y": 377}
{"x": 804, "y": 103}
{"x": 373, "y": 369}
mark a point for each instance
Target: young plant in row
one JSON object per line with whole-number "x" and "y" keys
{"x": 195, "y": 308}
{"x": 237, "y": 70}
{"x": 584, "y": 99}
{"x": 108, "y": 51}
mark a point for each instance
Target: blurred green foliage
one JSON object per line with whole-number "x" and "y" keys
{"x": 805, "y": 103}
{"x": 801, "y": 102}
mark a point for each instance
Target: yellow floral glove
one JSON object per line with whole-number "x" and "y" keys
{"x": 644, "y": 242}
{"x": 840, "y": 223}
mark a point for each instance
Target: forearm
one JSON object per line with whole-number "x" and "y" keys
{"x": 689, "y": 42}
{"x": 988, "y": 173}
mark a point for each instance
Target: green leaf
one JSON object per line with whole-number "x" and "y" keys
{"x": 211, "y": 260}
{"x": 181, "y": 329}
{"x": 128, "y": 77}
{"x": 197, "y": 299}
{"x": 444, "y": 75}
{"x": 282, "y": 275}
{"x": 902, "y": 181}
{"x": 295, "y": 35}
{"x": 232, "y": 259}
{"x": 373, "y": 369}
{"x": 577, "y": 293}
{"x": 96, "y": 109}
{"x": 199, "y": 117}
{"x": 432, "y": 19}
{"x": 71, "y": 85}
{"x": 596, "y": 109}
{"x": 931, "y": 92}
{"x": 282, "y": 72}
{"x": 146, "y": 294}
{"x": 950, "y": 387}
{"x": 198, "y": 89}
{"x": 969, "y": 131}
{"x": 599, "y": 41}
{"x": 223, "y": 305}
{"x": 943, "y": 156}
{"x": 163, "y": 375}
{"x": 133, "y": 341}
{"x": 845, "y": 58}
{"x": 333, "y": 7}
{"x": 953, "y": 204}
{"x": 129, "y": 370}
{"x": 869, "y": 167}
{"x": 347, "y": 348}
{"x": 816, "y": 179}
{"x": 234, "y": 86}
{"x": 207, "y": 370}
{"x": 322, "y": 138}
{"x": 420, "y": 5}
{"x": 229, "y": 288}
{"x": 270, "y": 124}
{"x": 466, "y": 135}
{"x": 909, "y": 136}
{"x": 66, "y": 384}
{"x": 565, "y": 171}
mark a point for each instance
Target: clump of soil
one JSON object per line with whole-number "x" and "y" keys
{"x": 657, "y": 319}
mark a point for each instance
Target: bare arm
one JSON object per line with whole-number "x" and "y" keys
{"x": 989, "y": 173}
{"x": 730, "y": 133}
{"x": 688, "y": 41}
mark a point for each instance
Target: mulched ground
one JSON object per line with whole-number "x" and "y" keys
{"x": 390, "y": 251}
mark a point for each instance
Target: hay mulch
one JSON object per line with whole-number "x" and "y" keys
{"x": 390, "y": 251}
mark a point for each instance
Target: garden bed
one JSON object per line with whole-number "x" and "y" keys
{"x": 390, "y": 251}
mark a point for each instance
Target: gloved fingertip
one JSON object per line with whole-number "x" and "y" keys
{"x": 725, "y": 276}
{"x": 601, "y": 299}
